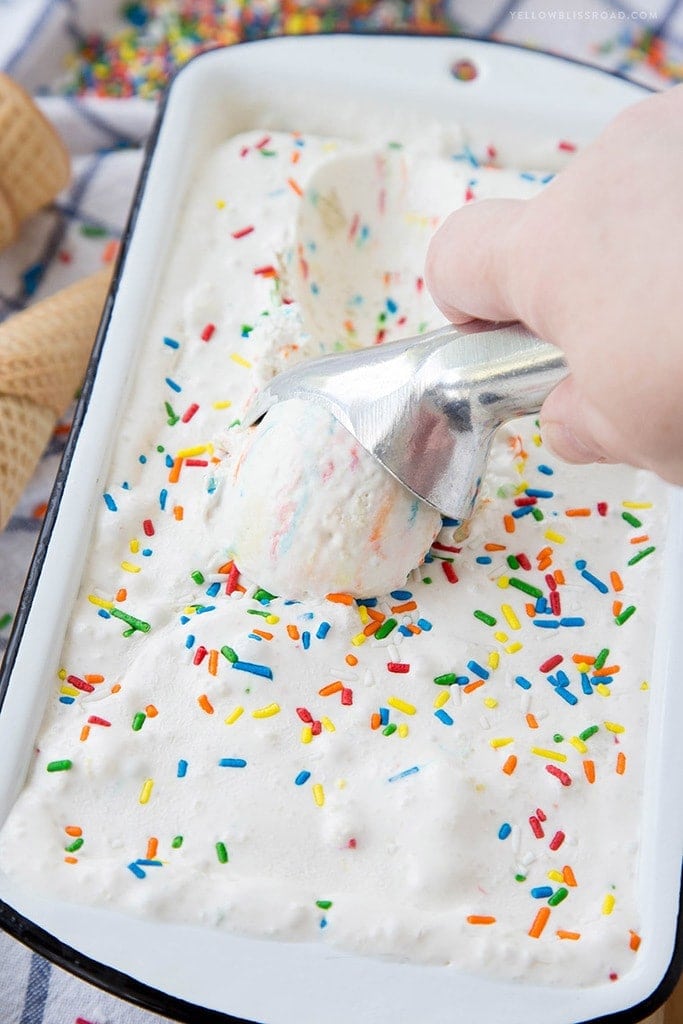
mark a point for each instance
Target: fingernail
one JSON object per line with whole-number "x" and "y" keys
{"x": 564, "y": 443}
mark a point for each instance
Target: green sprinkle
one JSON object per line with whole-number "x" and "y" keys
{"x": 5, "y": 620}
{"x": 426, "y": 579}
{"x": 135, "y": 624}
{"x": 537, "y": 514}
{"x": 228, "y": 653}
{"x": 447, "y": 679}
{"x": 558, "y": 738}
{"x": 485, "y": 617}
{"x": 631, "y": 519}
{"x": 385, "y": 629}
{"x": 602, "y": 658}
{"x": 587, "y": 733}
{"x": 641, "y": 554}
{"x": 258, "y": 611}
{"x": 557, "y": 897}
{"x": 528, "y": 588}
{"x": 60, "y": 766}
{"x": 389, "y": 729}
{"x": 173, "y": 416}
{"x": 626, "y": 614}
{"x": 513, "y": 562}
{"x": 197, "y": 576}
{"x": 76, "y": 845}
{"x": 263, "y": 595}
{"x": 177, "y": 842}
{"x": 139, "y": 721}
{"x": 222, "y": 853}
{"x": 520, "y": 878}
{"x": 93, "y": 231}
{"x": 323, "y": 904}
{"x": 268, "y": 152}
{"x": 160, "y": 448}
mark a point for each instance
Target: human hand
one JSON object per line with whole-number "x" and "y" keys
{"x": 594, "y": 264}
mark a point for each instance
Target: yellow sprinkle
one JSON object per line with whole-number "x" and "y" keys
{"x": 578, "y": 744}
{"x": 327, "y": 724}
{"x": 134, "y": 546}
{"x": 234, "y": 715}
{"x": 364, "y": 614}
{"x": 490, "y": 702}
{"x": 358, "y": 639}
{"x": 306, "y": 734}
{"x": 240, "y": 360}
{"x": 70, "y": 691}
{"x": 614, "y": 727}
{"x": 552, "y": 535}
{"x": 520, "y": 488}
{"x": 556, "y": 876}
{"x": 494, "y": 659}
{"x": 62, "y": 673}
{"x": 402, "y": 730}
{"x": 501, "y": 637}
{"x": 100, "y": 602}
{"x": 501, "y": 741}
{"x": 129, "y": 567}
{"x": 319, "y": 794}
{"x": 637, "y": 504}
{"x": 603, "y": 690}
{"x": 272, "y": 620}
{"x": 584, "y": 667}
{"x": 146, "y": 791}
{"x": 513, "y": 648}
{"x": 552, "y": 755}
{"x": 442, "y": 697}
{"x": 608, "y": 903}
{"x": 503, "y": 582}
{"x": 510, "y": 617}
{"x": 225, "y": 403}
{"x": 190, "y": 610}
{"x": 220, "y": 204}
{"x": 401, "y": 705}
{"x": 644, "y": 685}
{"x": 267, "y": 712}
{"x": 199, "y": 449}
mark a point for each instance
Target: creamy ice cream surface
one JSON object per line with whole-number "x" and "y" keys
{"x": 449, "y": 770}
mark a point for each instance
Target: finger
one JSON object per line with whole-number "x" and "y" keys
{"x": 470, "y": 262}
{"x": 573, "y": 429}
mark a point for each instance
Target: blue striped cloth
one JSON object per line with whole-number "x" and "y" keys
{"x": 68, "y": 241}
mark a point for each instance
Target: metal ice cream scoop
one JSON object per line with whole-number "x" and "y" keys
{"x": 427, "y": 407}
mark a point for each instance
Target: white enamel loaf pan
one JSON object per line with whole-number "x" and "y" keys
{"x": 526, "y": 101}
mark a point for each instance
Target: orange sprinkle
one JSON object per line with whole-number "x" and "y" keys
{"x": 530, "y": 609}
{"x": 509, "y": 524}
{"x": 327, "y": 691}
{"x": 634, "y": 944}
{"x": 559, "y": 577}
{"x": 85, "y": 732}
{"x": 376, "y": 615}
{"x": 74, "y": 830}
{"x": 121, "y": 595}
{"x": 205, "y": 704}
{"x": 372, "y": 628}
{"x": 151, "y": 711}
{"x": 339, "y": 598}
{"x": 293, "y": 632}
{"x": 639, "y": 540}
{"x": 351, "y": 660}
{"x": 213, "y": 662}
{"x": 375, "y": 720}
{"x": 540, "y": 921}
{"x": 480, "y": 919}
{"x": 407, "y": 606}
{"x": 589, "y": 771}
{"x": 562, "y": 934}
{"x": 71, "y": 860}
{"x": 178, "y": 512}
{"x": 226, "y": 568}
{"x": 569, "y": 877}
{"x": 174, "y": 472}
{"x": 494, "y": 547}
{"x": 531, "y": 721}
{"x": 471, "y": 687}
{"x": 577, "y": 512}
{"x": 587, "y": 658}
{"x": 544, "y": 553}
{"x": 116, "y": 687}
{"x": 295, "y": 186}
{"x": 545, "y": 563}
{"x": 40, "y": 510}
{"x": 152, "y": 848}
{"x": 615, "y": 580}
{"x": 94, "y": 678}
{"x": 110, "y": 250}
{"x": 608, "y": 670}
{"x": 263, "y": 633}
{"x": 621, "y": 763}
{"x": 510, "y": 764}
{"x": 295, "y": 155}
{"x": 616, "y": 608}
{"x": 412, "y": 627}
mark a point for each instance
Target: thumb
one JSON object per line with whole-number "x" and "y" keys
{"x": 572, "y": 428}
{"x": 471, "y": 259}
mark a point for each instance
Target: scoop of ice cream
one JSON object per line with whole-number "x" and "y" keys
{"x": 309, "y": 512}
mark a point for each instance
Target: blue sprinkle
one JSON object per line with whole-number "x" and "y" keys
{"x": 605, "y": 680}
{"x": 546, "y": 178}
{"x": 323, "y": 922}
{"x": 205, "y": 608}
{"x": 171, "y": 342}
{"x": 524, "y": 683}
{"x": 384, "y": 716}
{"x": 524, "y": 510}
{"x": 541, "y": 892}
{"x": 469, "y": 156}
{"x": 255, "y": 670}
{"x": 401, "y": 595}
{"x": 184, "y": 619}
{"x": 598, "y": 584}
{"x": 254, "y": 636}
{"x": 546, "y": 470}
{"x": 305, "y": 639}
{"x": 562, "y": 678}
{"x": 369, "y": 602}
{"x": 232, "y": 762}
{"x": 527, "y": 176}
{"x": 586, "y": 685}
{"x": 404, "y": 631}
{"x": 425, "y": 625}
{"x": 103, "y": 613}
{"x": 323, "y": 630}
{"x": 443, "y": 716}
{"x": 392, "y": 306}
{"x": 168, "y": 459}
{"x": 172, "y": 385}
{"x": 484, "y": 560}
{"x": 137, "y": 871}
{"x": 546, "y": 623}
{"x": 110, "y": 503}
{"x": 504, "y": 830}
{"x": 182, "y": 769}
{"x": 448, "y": 521}
{"x": 301, "y": 778}
{"x": 31, "y": 277}
{"x": 213, "y": 590}
{"x": 475, "y": 667}
{"x": 125, "y": 485}
{"x": 307, "y": 615}
{"x": 566, "y": 695}
{"x": 66, "y": 700}
{"x": 142, "y": 459}
{"x": 163, "y": 495}
{"x": 462, "y": 680}
{"x": 541, "y": 605}
{"x": 572, "y": 621}
{"x": 404, "y": 773}
{"x": 580, "y": 563}
{"x": 146, "y": 552}
{"x": 189, "y": 640}
{"x": 144, "y": 863}
{"x": 534, "y": 492}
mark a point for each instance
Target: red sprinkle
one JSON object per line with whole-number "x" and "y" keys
{"x": 445, "y": 547}
{"x": 199, "y": 655}
{"x": 559, "y": 774}
{"x": 208, "y": 332}
{"x": 263, "y": 142}
{"x": 316, "y": 727}
{"x": 305, "y": 715}
{"x": 536, "y": 827}
{"x": 541, "y": 815}
{"x": 148, "y": 527}
{"x": 80, "y": 684}
{"x": 189, "y": 412}
{"x": 551, "y": 581}
{"x": 566, "y": 147}
{"x": 523, "y": 561}
{"x": 449, "y": 572}
{"x": 347, "y": 696}
{"x": 398, "y": 666}
{"x": 243, "y": 231}
{"x": 557, "y": 840}
{"x": 551, "y": 663}
{"x": 196, "y": 462}
{"x": 524, "y": 501}
{"x": 602, "y": 508}
{"x": 96, "y": 720}
{"x": 352, "y": 844}
{"x": 555, "y": 602}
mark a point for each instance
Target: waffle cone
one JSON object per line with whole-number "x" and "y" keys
{"x": 8, "y": 221}
{"x": 43, "y": 354}
{"x": 34, "y": 162}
